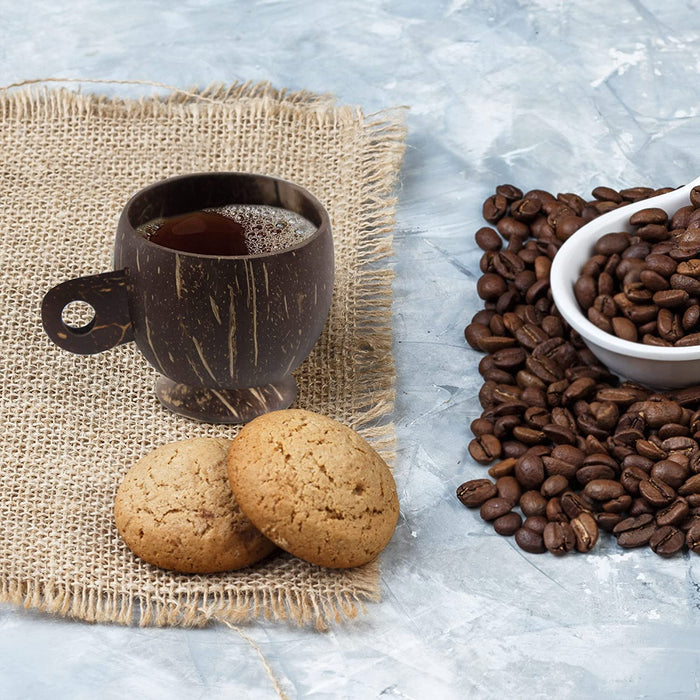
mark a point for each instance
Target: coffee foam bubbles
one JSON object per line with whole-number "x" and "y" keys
{"x": 268, "y": 228}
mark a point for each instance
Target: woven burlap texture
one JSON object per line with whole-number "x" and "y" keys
{"x": 72, "y": 425}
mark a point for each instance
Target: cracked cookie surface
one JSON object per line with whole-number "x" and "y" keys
{"x": 175, "y": 509}
{"x": 314, "y": 487}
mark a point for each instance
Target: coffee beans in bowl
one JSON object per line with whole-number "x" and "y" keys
{"x": 629, "y": 283}
{"x": 573, "y": 451}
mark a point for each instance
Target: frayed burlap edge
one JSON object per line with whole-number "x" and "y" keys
{"x": 301, "y": 607}
{"x": 385, "y": 134}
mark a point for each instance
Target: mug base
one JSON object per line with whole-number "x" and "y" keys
{"x": 225, "y": 405}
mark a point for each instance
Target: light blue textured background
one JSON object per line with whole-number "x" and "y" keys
{"x": 541, "y": 93}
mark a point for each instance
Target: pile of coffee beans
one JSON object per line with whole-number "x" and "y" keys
{"x": 644, "y": 286}
{"x": 572, "y": 450}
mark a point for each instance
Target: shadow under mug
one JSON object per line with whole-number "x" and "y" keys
{"x": 224, "y": 332}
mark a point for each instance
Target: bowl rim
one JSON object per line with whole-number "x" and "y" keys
{"x": 578, "y": 248}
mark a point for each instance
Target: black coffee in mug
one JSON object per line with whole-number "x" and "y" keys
{"x": 235, "y": 229}
{"x": 228, "y": 305}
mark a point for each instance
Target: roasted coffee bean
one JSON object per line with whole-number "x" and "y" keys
{"x": 533, "y": 503}
{"x": 649, "y": 450}
{"x": 686, "y": 283}
{"x": 606, "y": 194}
{"x": 621, "y": 504}
{"x": 573, "y": 201}
{"x": 692, "y": 537}
{"x": 599, "y": 320}
{"x": 688, "y": 340}
{"x": 585, "y": 530}
{"x": 640, "y": 506}
{"x": 690, "y": 268}
{"x": 635, "y": 531}
{"x": 687, "y": 397}
{"x": 513, "y": 448}
{"x": 594, "y": 472}
{"x": 670, "y": 472}
{"x": 658, "y": 413}
{"x": 634, "y": 194}
{"x": 498, "y": 375}
{"x": 509, "y": 489}
{"x": 558, "y": 434}
{"x": 542, "y": 265}
{"x": 525, "y": 209}
{"x": 494, "y": 508}
{"x": 691, "y": 317}
{"x": 606, "y": 414}
{"x": 554, "y": 511}
{"x": 485, "y": 448}
{"x": 506, "y": 301}
{"x": 624, "y": 328}
{"x": 564, "y": 418}
{"x": 490, "y": 286}
{"x": 536, "y": 523}
{"x": 656, "y": 492}
{"x": 680, "y": 444}
{"x": 574, "y": 504}
{"x": 612, "y": 243}
{"x": 674, "y": 513}
{"x": 544, "y": 368}
{"x": 690, "y": 486}
{"x": 603, "y": 489}
{"x": 530, "y": 336}
{"x": 504, "y": 425}
{"x": 671, "y": 299}
{"x": 564, "y": 462}
{"x": 554, "y": 485}
{"x": 555, "y": 392}
{"x": 529, "y": 436}
{"x": 559, "y": 538}
{"x": 651, "y": 215}
{"x": 537, "y": 417}
{"x": 679, "y": 219}
{"x": 496, "y": 325}
{"x": 494, "y": 208}
{"x": 661, "y": 264}
{"x": 654, "y": 281}
{"x": 673, "y": 430}
{"x": 640, "y": 462}
{"x": 481, "y": 426}
{"x": 631, "y": 478}
{"x": 507, "y": 264}
{"x": 530, "y": 541}
{"x": 607, "y": 521}
{"x": 503, "y": 468}
{"x": 476, "y": 492}
{"x": 508, "y": 226}
{"x": 509, "y": 358}
{"x": 508, "y": 524}
{"x": 474, "y": 332}
{"x": 493, "y": 343}
{"x": 506, "y": 393}
{"x": 585, "y": 291}
{"x": 510, "y": 192}
{"x": 488, "y": 239}
{"x": 529, "y": 471}
{"x": 667, "y": 541}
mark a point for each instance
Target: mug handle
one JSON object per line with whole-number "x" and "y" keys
{"x": 111, "y": 325}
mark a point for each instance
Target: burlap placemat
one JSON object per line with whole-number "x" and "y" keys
{"x": 72, "y": 425}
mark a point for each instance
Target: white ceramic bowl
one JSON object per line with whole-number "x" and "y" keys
{"x": 658, "y": 367}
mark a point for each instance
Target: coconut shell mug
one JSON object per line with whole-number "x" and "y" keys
{"x": 225, "y": 332}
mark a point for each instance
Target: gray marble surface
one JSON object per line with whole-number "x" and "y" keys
{"x": 541, "y": 93}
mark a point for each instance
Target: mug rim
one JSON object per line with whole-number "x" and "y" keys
{"x": 314, "y": 201}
